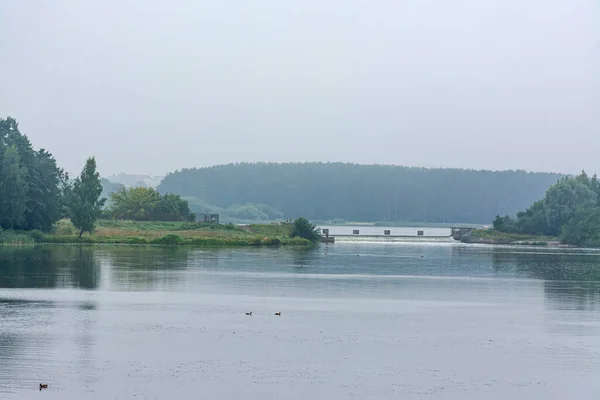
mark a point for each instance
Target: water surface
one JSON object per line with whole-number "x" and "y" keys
{"x": 362, "y": 319}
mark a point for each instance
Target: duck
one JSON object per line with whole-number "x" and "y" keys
{"x": 278, "y": 313}
{"x": 249, "y": 313}
{"x": 43, "y": 386}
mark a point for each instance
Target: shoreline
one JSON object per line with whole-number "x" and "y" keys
{"x": 158, "y": 233}
{"x": 492, "y": 237}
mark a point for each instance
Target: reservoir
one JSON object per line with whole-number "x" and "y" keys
{"x": 414, "y": 319}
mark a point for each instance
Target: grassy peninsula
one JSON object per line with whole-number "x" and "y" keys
{"x": 161, "y": 233}
{"x": 492, "y": 236}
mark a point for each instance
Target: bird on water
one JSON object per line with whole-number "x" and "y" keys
{"x": 43, "y": 386}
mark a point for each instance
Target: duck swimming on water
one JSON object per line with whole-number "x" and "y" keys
{"x": 43, "y": 386}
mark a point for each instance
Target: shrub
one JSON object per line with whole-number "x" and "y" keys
{"x": 36, "y": 235}
{"x": 304, "y": 229}
{"x": 170, "y": 239}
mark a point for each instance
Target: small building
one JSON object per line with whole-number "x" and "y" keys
{"x": 420, "y": 233}
{"x": 355, "y": 232}
{"x": 387, "y": 232}
{"x": 208, "y": 218}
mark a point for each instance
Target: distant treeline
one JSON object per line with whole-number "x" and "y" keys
{"x": 328, "y": 191}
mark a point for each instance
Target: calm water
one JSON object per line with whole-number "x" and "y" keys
{"x": 377, "y": 320}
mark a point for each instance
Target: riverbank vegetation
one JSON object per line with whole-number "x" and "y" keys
{"x": 492, "y": 236}
{"x": 161, "y": 233}
{"x": 570, "y": 211}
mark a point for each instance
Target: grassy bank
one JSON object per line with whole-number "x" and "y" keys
{"x": 491, "y": 236}
{"x": 15, "y": 238}
{"x": 167, "y": 233}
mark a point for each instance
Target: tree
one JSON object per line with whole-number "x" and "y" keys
{"x": 564, "y": 198}
{"x": 146, "y": 204}
{"x": 136, "y": 203}
{"x": 171, "y": 207}
{"x": 12, "y": 188}
{"x": 46, "y": 192}
{"x": 503, "y": 224}
{"x": 583, "y": 229}
{"x": 84, "y": 198}
{"x": 31, "y": 183}
{"x": 304, "y": 229}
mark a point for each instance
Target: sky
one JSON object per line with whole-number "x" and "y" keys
{"x": 149, "y": 86}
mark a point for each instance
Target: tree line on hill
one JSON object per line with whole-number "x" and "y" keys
{"x": 330, "y": 191}
{"x": 570, "y": 209}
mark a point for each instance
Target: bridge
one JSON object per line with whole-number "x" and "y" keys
{"x": 394, "y": 232}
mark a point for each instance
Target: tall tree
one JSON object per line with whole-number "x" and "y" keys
{"x": 12, "y": 190}
{"x": 30, "y": 182}
{"x": 84, "y": 198}
{"x": 46, "y": 184}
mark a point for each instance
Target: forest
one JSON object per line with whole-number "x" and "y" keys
{"x": 351, "y": 192}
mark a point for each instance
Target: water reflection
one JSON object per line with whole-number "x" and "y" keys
{"x": 28, "y": 267}
{"x": 571, "y": 278}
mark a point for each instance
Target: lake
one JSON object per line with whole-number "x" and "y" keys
{"x": 372, "y": 319}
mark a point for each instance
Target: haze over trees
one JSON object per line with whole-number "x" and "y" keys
{"x": 328, "y": 191}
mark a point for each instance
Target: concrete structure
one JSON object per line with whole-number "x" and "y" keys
{"x": 208, "y": 218}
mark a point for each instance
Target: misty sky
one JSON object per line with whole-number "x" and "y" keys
{"x": 152, "y": 86}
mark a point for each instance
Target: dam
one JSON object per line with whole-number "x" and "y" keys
{"x": 330, "y": 232}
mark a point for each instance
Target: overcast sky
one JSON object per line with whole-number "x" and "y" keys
{"x": 152, "y": 86}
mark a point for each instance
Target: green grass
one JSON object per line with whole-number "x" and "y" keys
{"x": 175, "y": 233}
{"x": 9, "y": 237}
{"x": 491, "y": 236}
{"x": 271, "y": 229}
{"x": 497, "y": 235}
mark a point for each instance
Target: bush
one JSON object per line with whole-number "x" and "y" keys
{"x": 37, "y": 235}
{"x": 304, "y": 229}
{"x": 63, "y": 227}
{"x": 12, "y": 237}
{"x": 170, "y": 239}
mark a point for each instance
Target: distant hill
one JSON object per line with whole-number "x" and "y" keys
{"x": 129, "y": 180}
{"x": 327, "y": 191}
